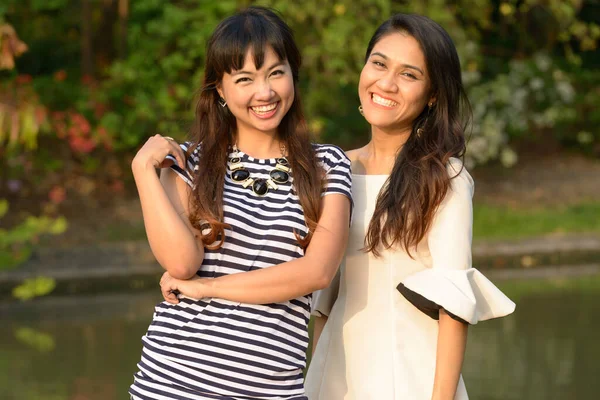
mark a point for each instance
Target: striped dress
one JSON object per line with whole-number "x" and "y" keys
{"x": 225, "y": 350}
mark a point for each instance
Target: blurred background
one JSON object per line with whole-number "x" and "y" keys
{"x": 83, "y": 83}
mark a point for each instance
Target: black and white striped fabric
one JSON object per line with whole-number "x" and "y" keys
{"x": 218, "y": 349}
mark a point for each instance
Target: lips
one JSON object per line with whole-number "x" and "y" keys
{"x": 383, "y": 101}
{"x": 265, "y": 111}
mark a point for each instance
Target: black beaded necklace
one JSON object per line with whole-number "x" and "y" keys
{"x": 260, "y": 186}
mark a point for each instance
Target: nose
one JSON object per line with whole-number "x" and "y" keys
{"x": 387, "y": 83}
{"x": 264, "y": 92}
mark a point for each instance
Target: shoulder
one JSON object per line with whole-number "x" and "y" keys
{"x": 192, "y": 157}
{"x": 460, "y": 179}
{"x": 330, "y": 151}
{"x": 353, "y": 154}
{"x": 331, "y": 156}
{"x": 190, "y": 148}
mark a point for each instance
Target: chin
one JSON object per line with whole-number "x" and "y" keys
{"x": 379, "y": 122}
{"x": 268, "y": 126}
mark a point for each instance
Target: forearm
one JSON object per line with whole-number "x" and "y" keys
{"x": 275, "y": 284}
{"x": 318, "y": 325}
{"x": 291, "y": 279}
{"x": 451, "y": 344}
{"x": 165, "y": 229}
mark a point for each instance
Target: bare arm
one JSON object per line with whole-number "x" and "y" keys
{"x": 451, "y": 344}
{"x": 319, "y": 324}
{"x": 284, "y": 281}
{"x": 165, "y": 208}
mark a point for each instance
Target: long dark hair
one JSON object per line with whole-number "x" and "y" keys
{"x": 254, "y": 28}
{"x": 419, "y": 180}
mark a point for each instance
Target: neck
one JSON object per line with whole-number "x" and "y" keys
{"x": 386, "y": 144}
{"x": 258, "y": 144}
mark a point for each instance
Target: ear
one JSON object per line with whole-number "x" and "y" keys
{"x": 432, "y": 101}
{"x": 220, "y": 90}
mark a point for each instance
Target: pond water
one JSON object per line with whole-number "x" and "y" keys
{"x": 86, "y": 348}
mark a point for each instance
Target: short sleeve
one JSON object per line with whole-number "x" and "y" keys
{"x": 324, "y": 299}
{"x": 338, "y": 175}
{"x": 188, "y": 171}
{"x": 451, "y": 283}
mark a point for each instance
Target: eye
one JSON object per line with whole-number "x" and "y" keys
{"x": 278, "y": 72}
{"x": 379, "y": 64}
{"x": 240, "y": 80}
{"x": 408, "y": 74}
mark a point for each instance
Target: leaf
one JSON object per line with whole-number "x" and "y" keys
{"x": 3, "y": 207}
{"x": 40, "y": 341}
{"x": 59, "y": 226}
{"x": 34, "y": 287}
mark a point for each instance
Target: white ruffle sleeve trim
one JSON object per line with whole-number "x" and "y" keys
{"x": 467, "y": 295}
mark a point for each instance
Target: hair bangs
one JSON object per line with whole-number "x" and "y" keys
{"x": 254, "y": 34}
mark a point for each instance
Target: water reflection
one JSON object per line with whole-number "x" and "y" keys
{"x": 547, "y": 350}
{"x": 87, "y": 349}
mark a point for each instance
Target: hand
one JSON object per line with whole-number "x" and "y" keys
{"x": 154, "y": 152}
{"x": 170, "y": 287}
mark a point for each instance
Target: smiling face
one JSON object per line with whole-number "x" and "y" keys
{"x": 259, "y": 98}
{"x": 394, "y": 87}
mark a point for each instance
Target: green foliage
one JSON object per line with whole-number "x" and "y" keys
{"x": 22, "y": 117}
{"x": 34, "y": 287}
{"x": 533, "y": 96}
{"x": 37, "y": 340}
{"x": 16, "y": 243}
{"x": 525, "y": 64}
{"x": 156, "y": 82}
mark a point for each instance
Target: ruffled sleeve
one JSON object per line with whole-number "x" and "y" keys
{"x": 187, "y": 171}
{"x": 451, "y": 283}
{"x": 324, "y": 299}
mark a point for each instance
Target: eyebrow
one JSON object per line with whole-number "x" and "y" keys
{"x": 277, "y": 64}
{"x": 404, "y": 65}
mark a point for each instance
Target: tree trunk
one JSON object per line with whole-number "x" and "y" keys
{"x": 87, "y": 54}
{"x": 123, "y": 16}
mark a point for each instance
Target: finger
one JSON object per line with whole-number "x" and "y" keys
{"x": 177, "y": 152}
{"x": 171, "y": 299}
{"x": 164, "y": 277}
{"x": 168, "y": 295}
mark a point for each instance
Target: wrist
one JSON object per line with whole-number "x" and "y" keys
{"x": 212, "y": 287}
{"x": 142, "y": 166}
{"x": 440, "y": 394}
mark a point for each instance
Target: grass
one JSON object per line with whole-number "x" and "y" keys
{"x": 503, "y": 222}
{"x": 489, "y": 222}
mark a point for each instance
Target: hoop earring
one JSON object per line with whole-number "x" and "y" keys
{"x": 360, "y": 110}
{"x": 222, "y": 102}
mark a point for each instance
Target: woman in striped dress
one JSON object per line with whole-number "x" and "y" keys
{"x": 250, "y": 211}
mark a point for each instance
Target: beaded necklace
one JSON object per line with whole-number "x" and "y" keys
{"x": 260, "y": 186}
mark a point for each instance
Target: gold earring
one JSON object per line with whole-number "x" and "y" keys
{"x": 360, "y": 110}
{"x": 419, "y": 132}
{"x": 430, "y": 104}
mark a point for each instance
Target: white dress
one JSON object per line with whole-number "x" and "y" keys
{"x": 377, "y": 344}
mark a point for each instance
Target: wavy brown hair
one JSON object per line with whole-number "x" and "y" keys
{"x": 214, "y": 128}
{"x": 419, "y": 180}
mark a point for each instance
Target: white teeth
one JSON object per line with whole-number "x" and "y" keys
{"x": 384, "y": 102}
{"x": 264, "y": 109}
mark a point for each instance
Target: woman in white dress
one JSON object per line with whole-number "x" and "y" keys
{"x": 397, "y": 327}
